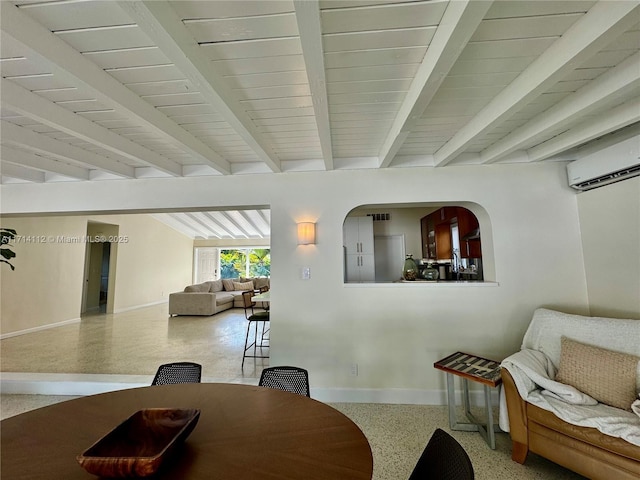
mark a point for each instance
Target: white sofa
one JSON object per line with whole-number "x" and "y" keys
{"x": 209, "y": 298}
{"x": 578, "y": 428}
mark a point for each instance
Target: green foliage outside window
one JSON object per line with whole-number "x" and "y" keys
{"x": 260, "y": 262}
{"x": 233, "y": 263}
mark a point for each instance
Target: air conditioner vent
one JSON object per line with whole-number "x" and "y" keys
{"x": 379, "y": 217}
{"x": 613, "y": 163}
{"x": 608, "y": 178}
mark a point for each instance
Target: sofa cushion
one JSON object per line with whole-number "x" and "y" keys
{"x": 223, "y": 298}
{"x": 215, "y": 286}
{"x": 260, "y": 282}
{"x": 606, "y": 375}
{"x": 237, "y": 286}
{"x": 228, "y": 284}
{"x": 197, "y": 288}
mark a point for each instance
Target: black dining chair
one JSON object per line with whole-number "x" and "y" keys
{"x": 289, "y": 379}
{"x": 260, "y": 339}
{"x": 178, "y": 372}
{"x": 443, "y": 459}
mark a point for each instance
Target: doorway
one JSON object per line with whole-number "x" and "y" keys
{"x": 99, "y": 269}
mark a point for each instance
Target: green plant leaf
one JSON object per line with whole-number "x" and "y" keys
{"x": 6, "y": 253}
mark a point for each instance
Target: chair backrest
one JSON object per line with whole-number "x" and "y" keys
{"x": 178, "y": 372}
{"x": 443, "y": 459}
{"x": 289, "y": 379}
{"x": 263, "y": 289}
{"x": 247, "y": 303}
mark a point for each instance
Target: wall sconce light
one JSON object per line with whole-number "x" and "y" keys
{"x": 306, "y": 233}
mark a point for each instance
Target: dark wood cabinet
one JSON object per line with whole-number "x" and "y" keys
{"x": 436, "y": 233}
{"x": 468, "y": 226}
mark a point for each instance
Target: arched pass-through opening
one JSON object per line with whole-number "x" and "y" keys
{"x": 453, "y": 238}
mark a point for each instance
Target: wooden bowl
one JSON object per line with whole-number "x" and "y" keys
{"x": 139, "y": 445}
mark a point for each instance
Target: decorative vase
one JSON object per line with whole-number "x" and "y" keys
{"x": 430, "y": 273}
{"x": 410, "y": 269}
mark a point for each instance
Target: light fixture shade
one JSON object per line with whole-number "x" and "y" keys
{"x": 306, "y": 233}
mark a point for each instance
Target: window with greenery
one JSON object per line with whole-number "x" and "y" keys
{"x": 254, "y": 262}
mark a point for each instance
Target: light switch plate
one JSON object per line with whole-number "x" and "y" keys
{"x": 306, "y": 273}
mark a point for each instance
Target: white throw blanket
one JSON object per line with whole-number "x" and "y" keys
{"x": 533, "y": 373}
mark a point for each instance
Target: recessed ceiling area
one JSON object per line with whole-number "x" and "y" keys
{"x": 103, "y": 90}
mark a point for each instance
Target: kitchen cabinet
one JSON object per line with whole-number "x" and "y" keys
{"x": 468, "y": 227}
{"x": 360, "y": 268}
{"x": 359, "y": 251}
{"x": 436, "y": 234}
{"x": 444, "y": 249}
{"x": 428, "y": 232}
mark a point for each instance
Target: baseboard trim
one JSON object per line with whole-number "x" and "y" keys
{"x": 40, "y": 328}
{"x": 397, "y": 396}
{"x": 91, "y": 384}
{"x": 136, "y": 307}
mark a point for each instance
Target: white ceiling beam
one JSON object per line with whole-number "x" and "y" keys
{"x": 65, "y": 61}
{"x": 160, "y": 22}
{"x": 614, "y": 119}
{"x": 189, "y": 223}
{"x": 248, "y": 219}
{"x": 310, "y": 31}
{"x": 31, "y": 160}
{"x": 16, "y": 171}
{"x": 613, "y": 84}
{"x": 37, "y": 142}
{"x": 235, "y": 223}
{"x": 603, "y": 23}
{"x": 608, "y": 140}
{"x": 458, "y": 24}
{"x": 38, "y": 108}
{"x": 212, "y": 219}
{"x": 197, "y": 217}
{"x": 179, "y": 227}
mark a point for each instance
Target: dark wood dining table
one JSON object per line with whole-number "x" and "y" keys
{"x": 244, "y": 432}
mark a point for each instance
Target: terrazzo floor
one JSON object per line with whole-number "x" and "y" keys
{"x": 114, "y": 344}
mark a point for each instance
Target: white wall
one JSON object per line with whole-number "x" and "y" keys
{"x": 151, "y": 261}
{"x": 610, "y": 225}
{"x": 393, "y": 332}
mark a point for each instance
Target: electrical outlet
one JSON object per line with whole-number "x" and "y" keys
{"x": 354, "y": 369}
{"x": 306, "y": 273}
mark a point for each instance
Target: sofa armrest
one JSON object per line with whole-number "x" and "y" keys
{"x": 517, "y": 410}
{"x": 192, "y": 303}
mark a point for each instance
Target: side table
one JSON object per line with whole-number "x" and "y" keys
{"x": 476, "y": 369}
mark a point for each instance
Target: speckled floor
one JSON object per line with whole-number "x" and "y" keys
{"x": 135, "y": 343}
{"x": 140, "y": 340}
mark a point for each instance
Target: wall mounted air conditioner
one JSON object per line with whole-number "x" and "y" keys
{"x": 609, "y": 165}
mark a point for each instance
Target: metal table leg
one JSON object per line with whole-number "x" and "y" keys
{"x": 486, "y": 431}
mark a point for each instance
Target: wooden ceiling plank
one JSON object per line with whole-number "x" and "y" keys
{"x": 31, "y": 160}
{"x": 308, "y": 18}
{"x": 614, "y": 119}
{"x": 42, "y": 110}
{"x": 64, "y": 151}
{"x": 614, "y": 83}
{"x": 458, "y": 23}
{"x": 166, "y": 29}
{"x": 601, "y": 25}
{"x": 67, "y": 61}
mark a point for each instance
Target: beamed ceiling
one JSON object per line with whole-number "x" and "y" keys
{"x": 100, "y": 90}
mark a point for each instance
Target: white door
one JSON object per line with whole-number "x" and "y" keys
{"x": 206, "y": 263}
